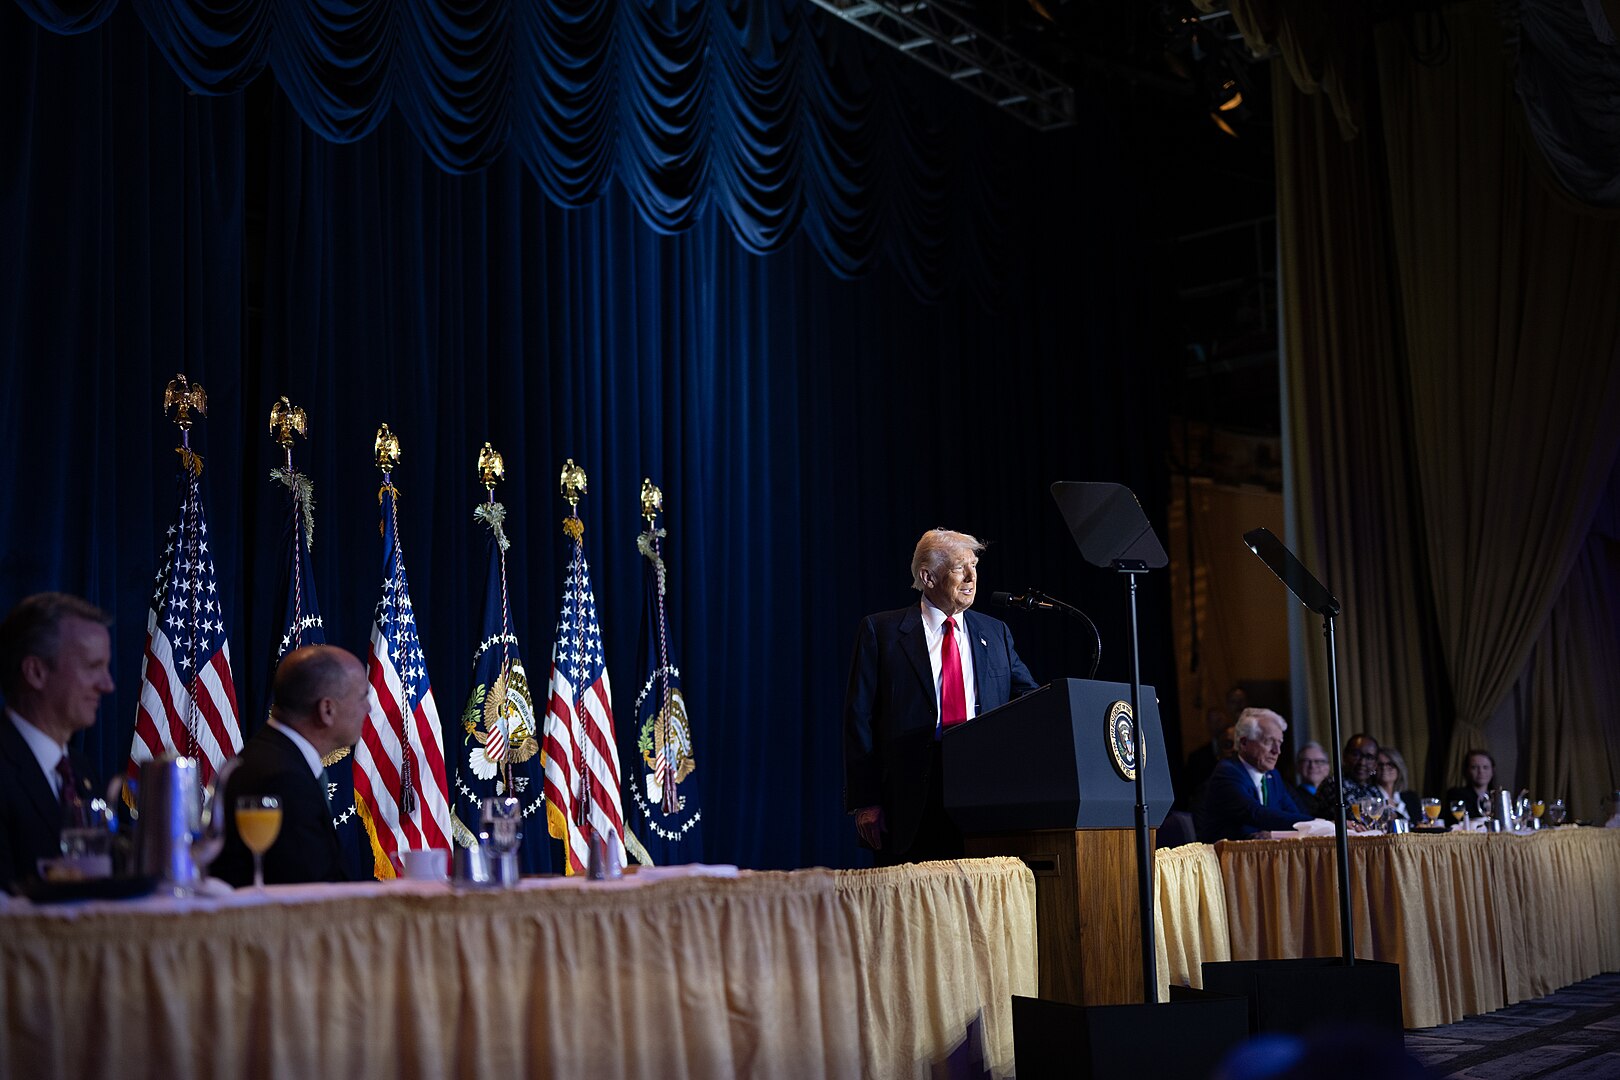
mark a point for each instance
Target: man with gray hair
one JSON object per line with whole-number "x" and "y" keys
{"x": 55, "y": 657}
{"x": 1245, "y": 795}
{"x": 916, "y": 672}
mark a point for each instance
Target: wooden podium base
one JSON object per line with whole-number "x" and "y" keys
{"x": 1088, "y": 933}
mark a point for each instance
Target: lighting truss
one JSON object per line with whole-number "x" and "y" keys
{"x": 944, "y": 42}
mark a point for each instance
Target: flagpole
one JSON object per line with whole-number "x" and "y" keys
{"x": 491, "y": 470}
{"x": 572, "y": 483}
{"x": 185, "y": 397}
{"x": 386, "y": 448}
{"x": 652, "y": 501}
{"x": 287, "y": 420}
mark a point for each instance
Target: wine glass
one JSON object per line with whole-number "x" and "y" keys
{"x": 1459, "y": 811}
{"x": 1431, "y": 810}
{"x": 1555, "y": 812}
{"x": 1371, "y": 808}
{"x": 258, "y": 822}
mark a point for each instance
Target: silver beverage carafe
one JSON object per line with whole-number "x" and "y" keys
{"x": 178, "y": 830}
{"x": 1502, "y": 811}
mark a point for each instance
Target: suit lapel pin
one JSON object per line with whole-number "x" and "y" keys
{"x": 983, "y": 642}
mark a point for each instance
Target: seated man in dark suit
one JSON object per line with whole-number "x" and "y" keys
{"x": 319, "y": 703}
{"x": 1245, "y": 795}
{"x": 916, "y": 672}
{"x": 54, "y": 670}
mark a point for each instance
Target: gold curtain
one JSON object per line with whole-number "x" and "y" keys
{"x": 1452, "y": 371}
{"x": 1354, "y": 492}
{"x": 1573, "y": 742}
{"x": 1511, "y": 328}
{"x": 808, "y": 974}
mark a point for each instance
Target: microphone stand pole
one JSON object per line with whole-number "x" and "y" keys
{"x": 1144, "y": 852}
{"x": 1341, "y": 839}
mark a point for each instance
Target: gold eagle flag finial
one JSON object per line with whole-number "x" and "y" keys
{"x": 572, "y": 484}
{"x": 491, "y": 467}
{"x": 387, "y": 449}
{"x": 184, "y": 396}
{"x": 652, "y": 500}
{"x": 287, "y": 420}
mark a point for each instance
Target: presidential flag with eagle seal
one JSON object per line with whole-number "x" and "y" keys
{"x": 500, "y": 755}
{"x": 665, "y": 812}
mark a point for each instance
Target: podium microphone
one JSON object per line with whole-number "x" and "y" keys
{"x": 1024, "y": 601}
{"x": 1033, "y": 600}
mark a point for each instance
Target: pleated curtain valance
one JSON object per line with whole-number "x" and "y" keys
{"x": 767, "y": 113}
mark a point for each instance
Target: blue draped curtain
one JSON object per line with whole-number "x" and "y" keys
{"x": 760, "y": 112}
{"x": 805, "y": 426}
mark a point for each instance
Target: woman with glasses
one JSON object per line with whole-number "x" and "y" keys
{"x": 1311, "y": 768}
{"x": 1391, "y": 778}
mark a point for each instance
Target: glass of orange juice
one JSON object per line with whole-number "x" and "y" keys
{"x": 1431, "y": 810}
{"x": 258, "y": 822}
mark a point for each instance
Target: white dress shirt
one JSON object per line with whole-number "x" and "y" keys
{"x": 305, "y": 747}
{"x": 47, "y": 751}
{"x": 1259, "y": 780}
{"x": 934, "y": 633}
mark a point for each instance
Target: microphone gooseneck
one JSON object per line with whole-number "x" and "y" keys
{"x": 1035, "y": 600}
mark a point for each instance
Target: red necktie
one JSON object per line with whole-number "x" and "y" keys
{"x": 73, "y": 815}
{"x": 952, "y": 698}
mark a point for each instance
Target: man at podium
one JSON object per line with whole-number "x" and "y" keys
{"x": 916, "y": 672}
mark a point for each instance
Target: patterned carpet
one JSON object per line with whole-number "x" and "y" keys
{"x": 1573, "y": 1034}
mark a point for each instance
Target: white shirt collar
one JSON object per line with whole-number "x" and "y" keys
{"x": 1255, "y": 774}
{"x": 934, "y": 619}
{"x": 47, "y": 751}
{"x": 305, "y": 747}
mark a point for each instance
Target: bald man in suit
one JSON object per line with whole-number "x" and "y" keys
{"x": 318, "y": 704}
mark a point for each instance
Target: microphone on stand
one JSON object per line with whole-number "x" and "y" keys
{"x": 1034, "y": 600}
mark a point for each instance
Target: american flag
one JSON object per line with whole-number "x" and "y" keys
{"x": 581, "y": 761}
{"x": 399, "y": 779}
{"x": 188, "y": 699}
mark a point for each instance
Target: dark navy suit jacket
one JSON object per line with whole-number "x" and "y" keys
{"x": 307, "y": 847}
{"x": 891, "y": 709}
{"x": 30, "y": 815}
{"x": 1232, "y": 809}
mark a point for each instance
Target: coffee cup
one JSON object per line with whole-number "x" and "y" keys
{"x": 422, "y": 864}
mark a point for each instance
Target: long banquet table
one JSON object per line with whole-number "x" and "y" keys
{"x": 1476, "y": 921}
{"x": 688, "y": 972}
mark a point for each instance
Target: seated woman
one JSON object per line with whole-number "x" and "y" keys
{"x": 1391, "y": 778}
{"x": 1475, "y": 795}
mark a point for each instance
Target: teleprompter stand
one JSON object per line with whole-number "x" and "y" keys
{"x": 1295, "y": 994}
{"x": 1188, "y": 1035}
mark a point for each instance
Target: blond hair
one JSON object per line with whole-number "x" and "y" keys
{"x": 935, "y": 550}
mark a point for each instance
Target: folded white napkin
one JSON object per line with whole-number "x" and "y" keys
{"x": 1314, "y": 827}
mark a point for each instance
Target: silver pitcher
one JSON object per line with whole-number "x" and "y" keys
{"x": 1502, "y": 810}
{"x": 178, "y": 828}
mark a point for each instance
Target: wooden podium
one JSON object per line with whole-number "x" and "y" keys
{"x": 1037, "y": 779}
